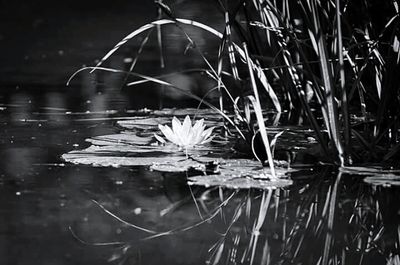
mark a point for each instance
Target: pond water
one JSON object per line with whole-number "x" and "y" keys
{"x": 48, "y": 207}
{"x": 55, "y": 212}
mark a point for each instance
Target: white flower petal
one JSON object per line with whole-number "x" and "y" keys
{"x": 177, "y": 130}
{"x": 191, "y": 138}
{"x": 183, "y": 132}
{"x": 209, "y": 139}
{"x": 207, "y": 133}
{"x": 176, "y": 125}
{"x": 159, "y": 138}
{"x": 168, "y": 133}
{"x": 198, "y": 129}
{"x": 187, "y": 125}
{"x": 198, "y": 125}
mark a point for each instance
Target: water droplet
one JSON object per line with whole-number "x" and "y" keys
{"x": 128, "y": 60}
{"x": 137, "y": 211}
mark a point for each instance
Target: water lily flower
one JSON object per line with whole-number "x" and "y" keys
{"x": 184, "y": 134}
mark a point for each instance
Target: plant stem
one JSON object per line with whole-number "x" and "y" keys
{"x": 258, "y": 111}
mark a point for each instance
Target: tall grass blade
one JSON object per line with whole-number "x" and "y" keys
{"x": 231, "y": 50}
{"x": 329, "y": 88}
{"x": 159, "y": 37}
{"x": 259, "y": 116}
{"x": 342, "y": 77}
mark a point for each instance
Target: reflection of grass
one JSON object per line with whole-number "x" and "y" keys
{"x": 318, "y": 224}
{"x": 339, "y": 228}
{"x": 327, "y": 219}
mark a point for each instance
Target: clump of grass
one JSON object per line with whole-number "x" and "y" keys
{"x": 298, "y": 44}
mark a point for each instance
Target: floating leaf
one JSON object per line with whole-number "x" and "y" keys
{"x": 124, "y": 138}
{"x": 244, "y": 174}
{"x": 143, "y": 123}
{"x": 178, "y": 166}
{"x": 119, "y": 149}
{"x": 376, "y": 176}
{"x": 129, "y": 149}
{"x": 116, "y": 161}
{"x": 387, "y": 180}
{"x": 239, "y": 181}
{"x": 205, "y": 113}
{"x": 130, "y": 155}
{"x": 366, "y": 171}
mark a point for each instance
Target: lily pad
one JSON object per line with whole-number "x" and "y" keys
{"x": 127, "y": 155}
{"x": 387, "y": 180}
{"x": 368, "y": 170}
{"x": 209, "y": 113}
{"x": 120, "y": 139}
{"x": 375, "y": 175}
{"x": 244, "y": 174}
{"x": 129, "y": 149}
{"x": 238, "y": 182}
{"x": 144, "y": 123}
{"x": 116, "y": 161}
{"x": 178, "y": 166}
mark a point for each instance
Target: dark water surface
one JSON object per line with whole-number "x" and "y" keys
{"x": 46, "y": 205}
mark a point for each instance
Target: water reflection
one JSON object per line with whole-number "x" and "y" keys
{"x": 324, "y": 219}
{"x": 23, "y": 102}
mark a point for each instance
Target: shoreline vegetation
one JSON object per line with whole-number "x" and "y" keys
{"x": 332, "y": 65}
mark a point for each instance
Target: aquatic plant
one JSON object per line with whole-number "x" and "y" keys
{"x": 320, "y": 64}
{"x": 184, "y": 135}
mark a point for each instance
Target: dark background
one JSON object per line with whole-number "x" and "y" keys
{"x": 42, "y": 43}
